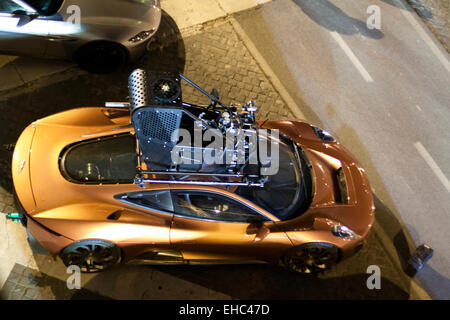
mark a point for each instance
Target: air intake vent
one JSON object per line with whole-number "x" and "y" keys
{"x": 158, "y": 123}
{"x": 341, "y": 192}
{"x": 155, "y": 128}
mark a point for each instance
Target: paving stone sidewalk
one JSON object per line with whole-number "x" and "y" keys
{"x": 212, "y": 56}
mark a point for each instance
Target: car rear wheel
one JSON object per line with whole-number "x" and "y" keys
{"x": 311, "y": 258}
{"x": 101, "y": 57}
{"x": 91, "y": 255}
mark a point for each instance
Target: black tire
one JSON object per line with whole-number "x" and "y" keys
{"x": 101, "y": 57}
{"x": 311, "y": 258}
{"x": 91, "y": 255}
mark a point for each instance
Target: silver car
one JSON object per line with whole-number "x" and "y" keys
{"x": 100, "y": 35}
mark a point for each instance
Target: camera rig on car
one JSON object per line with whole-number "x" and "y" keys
{"x": 159, "y": 115}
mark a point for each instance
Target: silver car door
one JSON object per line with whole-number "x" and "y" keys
{"x": 64, "y": 37}
{"x": 21, "y": 34}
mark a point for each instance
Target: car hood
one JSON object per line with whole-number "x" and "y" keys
{"x": 326, "y": 159}
{"x": 127, "y": 13}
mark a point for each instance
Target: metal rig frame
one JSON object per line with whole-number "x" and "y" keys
{"x": 219, "y": 179}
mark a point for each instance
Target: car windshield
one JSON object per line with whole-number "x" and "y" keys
{"x": 109, "y": 159}
{"x": 287, "y": 193}
{"x": 47, "y": 7}
{"x": 9, "y": 6}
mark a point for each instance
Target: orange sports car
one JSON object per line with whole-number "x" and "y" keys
{"x": 113, "y": 184}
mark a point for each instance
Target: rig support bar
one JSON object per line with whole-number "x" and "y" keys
{"x": 182, "y": 173}
{"x": 141, "y": 182}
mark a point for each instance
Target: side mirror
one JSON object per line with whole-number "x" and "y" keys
{"x": 24, "y": 17}
{"x": 19, "y": 13}
{"x": 259, "y": 230}
{"x": 262, "y": 233}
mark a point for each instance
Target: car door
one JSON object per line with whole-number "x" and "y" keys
{"x": 216, "y": 226}
{"x": 148, "y": 227}
{"x": 19, "y": 34}
{"x": 64, "y": 37}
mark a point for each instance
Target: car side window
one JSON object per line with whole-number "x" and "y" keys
{"x": 208, "y": 206}
{"x": 8, "y": 6}
{"x": 158, "y": 199}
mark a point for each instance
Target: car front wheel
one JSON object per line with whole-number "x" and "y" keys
{"x": 91, "y": 255}
{"x": 311, "y": 258}
{"x": 101, "y": 57}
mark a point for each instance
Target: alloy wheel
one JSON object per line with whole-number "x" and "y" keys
{"x": 312, "y": 258}
{"x": 91, "y": 255}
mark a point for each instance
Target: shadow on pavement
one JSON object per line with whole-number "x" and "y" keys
{"x": 272, "y": 282}
{"x": 326, "y": 14}
{"x": 27, "y": 284}
{"x": 393, "y": 228}
{"x": 236, "y": 281}
{"x": 165, "y": 52}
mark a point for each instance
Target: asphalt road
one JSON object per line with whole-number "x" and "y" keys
{"x": 385, "y": 95}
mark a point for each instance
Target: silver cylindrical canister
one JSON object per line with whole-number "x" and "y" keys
{"x": 138, "y": 89}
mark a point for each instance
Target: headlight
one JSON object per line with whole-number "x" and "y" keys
{"x": 142, "y": 36}
{"x": 342, "y": 231}
{"x": 323, "y": 135}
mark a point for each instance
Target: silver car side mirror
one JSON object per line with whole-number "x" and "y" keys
{"x": 24, "y": 17}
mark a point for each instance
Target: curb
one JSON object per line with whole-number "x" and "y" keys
{"x": 267, "y": 70}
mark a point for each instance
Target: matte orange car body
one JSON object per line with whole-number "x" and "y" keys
{"x": 61, "y": 212}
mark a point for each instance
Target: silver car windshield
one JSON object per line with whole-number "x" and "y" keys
{"x": 46, "y": 7}
{"x": 8, "y": 6}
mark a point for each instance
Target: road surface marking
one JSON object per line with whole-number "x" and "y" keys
{"x": 429, "y": 160}
{"x": 418, "y": 107}
{"x": 425, "y": 37}
{"x": 351, "y": 56}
